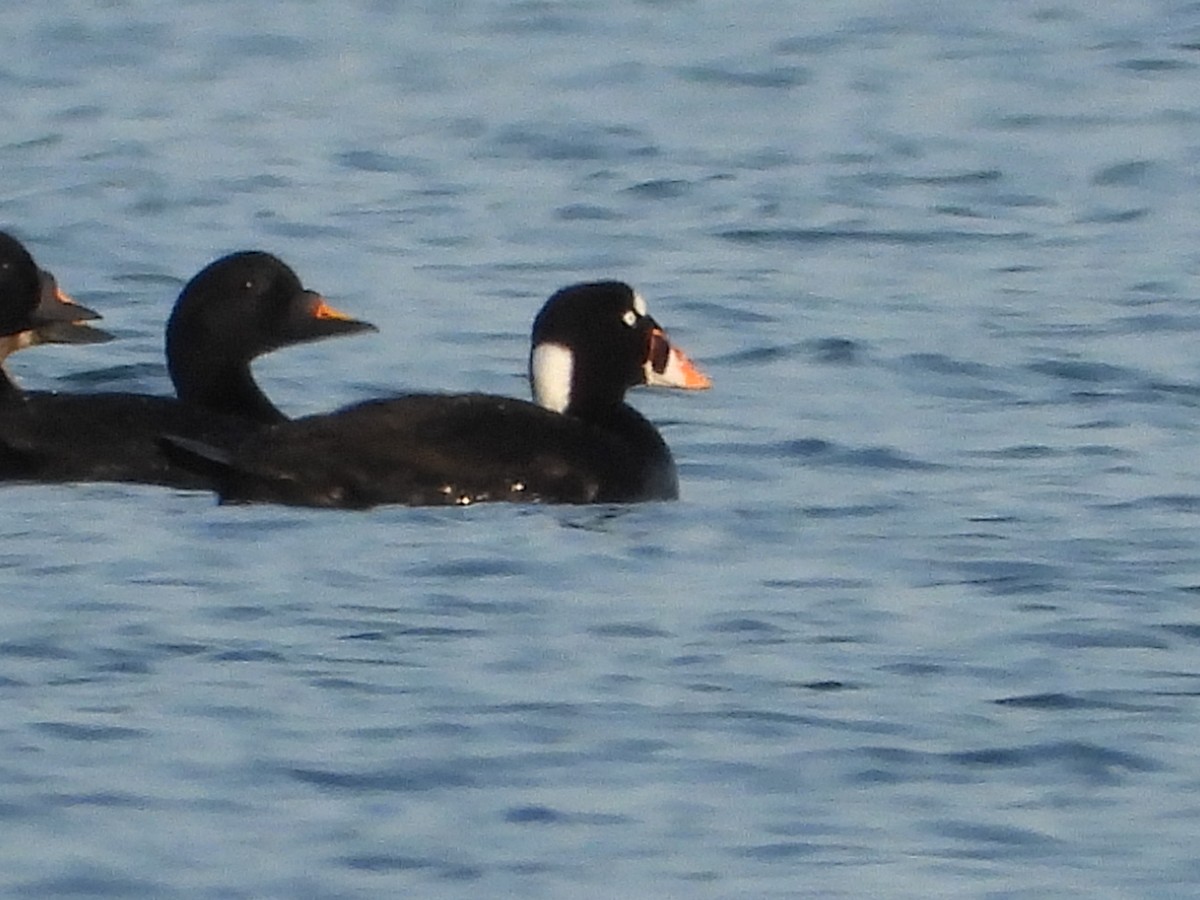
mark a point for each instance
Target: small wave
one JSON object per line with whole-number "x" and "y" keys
{"x": 1186, "y": 630}
{"x": 1060, "y": 702}
{"x": 414, "y": 779}
{"x": 782, "y": 851}
{"x": 947, "y": 179}
{"x": 660, "y": 189}
{"x": 758, "y": 355}
{"x": 470, "y": 568}
{"x": 836, "y": 350}
{"x": 940, "y": 375}
{"x": 1007, "y": 577}
{"x": 791, "y": 236}
{"x": 382, "y": 863}
{"x": 375, "y": 161}
{"x": 1019, "y": 451}
{"x": 1150, "y": 65}
{"x": 1113, "y": 216}
{"x": 810, "y": 44}
{"x": 1182, "y": 503}
{"x": 1155, "y": 323}
{"x": 1082, "y": 756}
{"x": 816, "y": 583}
{"x": 559, "y": 142}
{"x": 1081, "y": 370}
{"x": 744, "y": 625}
{"x": 941, "y": 364}
{"x": 824, "y": 452}
{"x": 586, "y": 212}
{"x": 86, "y": 880}
{"x": 126, "y": 375}
{"x": 852, "y": 511}
{"x": 387, "y": 862}
{"x": 627, "y": 630}
{"x": 989, "y": 841}
{"x": 721, "y": 75}
{"x": 1125, "y": 174}
{"x": 1090, "y": 761}
{"x": 1106, "y": 638}
{"x": 34, "y": 649}
{"x": 73, "y": 731}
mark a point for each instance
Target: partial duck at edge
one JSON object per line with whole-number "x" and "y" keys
{"x": 34, "y": 310}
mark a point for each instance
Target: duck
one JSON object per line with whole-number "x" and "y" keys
{"x": 576, "y": 441}
{"x": 35, "y": 310}
{"x": 234, "y": 310}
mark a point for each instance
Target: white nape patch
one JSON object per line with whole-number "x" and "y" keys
{"x": 550, "y": 369}
{"x": 639, "y": 304}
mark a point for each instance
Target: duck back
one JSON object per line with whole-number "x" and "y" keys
{"x": 434, "y": 449}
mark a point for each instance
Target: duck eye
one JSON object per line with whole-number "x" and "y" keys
{"x": 630, "y": 318}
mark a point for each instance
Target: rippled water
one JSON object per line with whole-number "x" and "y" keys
{"x": 924, "y": 623}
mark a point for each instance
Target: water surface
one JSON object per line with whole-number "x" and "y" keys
{"x": 923, "y": 623}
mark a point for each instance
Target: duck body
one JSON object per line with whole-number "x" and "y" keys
{"x": 236, "y": 308}
{"x": 53, "y": 437}
{"x": 579, "y": 443}
{"x": 449, "y": 449}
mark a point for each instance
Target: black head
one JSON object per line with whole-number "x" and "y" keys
{"x": 591, "y": 342}
{"x": 236, "y": 308}
{"x": 34, "y": 308}
{"x": 20, "y": 286}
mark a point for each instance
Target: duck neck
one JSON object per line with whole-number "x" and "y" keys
{"x": 233, "y": 393}
{"x": 598, "y": 410}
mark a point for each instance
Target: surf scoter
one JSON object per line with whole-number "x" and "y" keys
{"x": 577, "y": 443}
{"x": 34, "y": 310}
{"x": 237, "y": 308}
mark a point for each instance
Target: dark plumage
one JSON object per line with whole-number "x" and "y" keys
{"x": 580, "y": 443}
{"x": 235, "y": 309}
{"x": 34, "y": 311}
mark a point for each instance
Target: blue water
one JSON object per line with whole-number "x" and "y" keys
{"x": 924, "y": 623}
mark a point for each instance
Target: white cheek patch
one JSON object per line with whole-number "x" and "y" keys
{"x": 680, "y": 372}
{"x": 671, "y": 376}
{"x": 639, "y": 304}
{"x": 550, "y": 369}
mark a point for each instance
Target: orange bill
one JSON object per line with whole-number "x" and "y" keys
{"x": 316, "y": 319}
{"x": 324, "y": 311}
{"x": 668, "y": 366}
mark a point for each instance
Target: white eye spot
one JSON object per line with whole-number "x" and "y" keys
{"x": 639, "y": 304}
{"x": 630, "y": 318}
